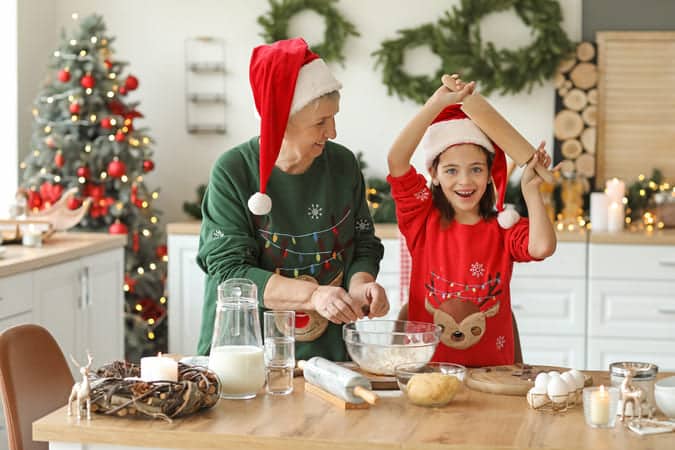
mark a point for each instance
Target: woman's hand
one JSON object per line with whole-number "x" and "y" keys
{"x": 530, "y": 181}
{"x": 336, "y": 305}
{"x": 377, "y": 298}
{"x": 452, "y": 91}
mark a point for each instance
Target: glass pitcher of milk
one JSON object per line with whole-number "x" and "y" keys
{"x": 236, "y": 347}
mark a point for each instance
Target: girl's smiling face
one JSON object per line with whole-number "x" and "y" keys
{"x": 462, "y": 173}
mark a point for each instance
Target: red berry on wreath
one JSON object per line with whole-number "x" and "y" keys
{"x": 59, "y": 159}
{"x": 120, "y": 136}
{"x": 122, "y": 90}
{"x": 161, "y": 251}
{"x": 108, "y": 64}
{"x": 74, "y": 108}
{"x": 83, "y": 172}
{"x": 64, "y": 75}
{"x": 118, "y": 228}
{"x": 74, "y": 202}
{"x": 131, "y": 82}
{"x": 88, "y": 81}
{"x": 148, "y": 165}
{"x": 116, "y": 168}
{"x": 105, "y": 123}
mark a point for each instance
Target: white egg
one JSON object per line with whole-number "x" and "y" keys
{"x": 553, "y": 373}
{"x": 536, "y": 399}
{"x": 557, "y": 390}
{"x": 541, "y": 380}
{"x": 579, "y": 378}
{"x": 569, "y": 379}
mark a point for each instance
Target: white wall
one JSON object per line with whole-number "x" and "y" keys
{"x": 8, "y": 102}
{"x": 151, "y": 36}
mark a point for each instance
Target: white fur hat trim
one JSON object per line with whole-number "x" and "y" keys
{"x": 314, "y": 80}
{"x": 441, "y": 135}
{"x": 260, "y": 204}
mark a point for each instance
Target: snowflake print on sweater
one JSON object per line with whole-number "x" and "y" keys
{"x": 422, "y": 195}
{"x": 477, "y": 269}
{"x": 314, "y": 211}
{"x": 501, "y": 341}
{"x": 363, "y": 225}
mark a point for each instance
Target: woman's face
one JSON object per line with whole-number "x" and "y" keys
{"x": 309, "y": 129}
{"x": 462, "y": 173}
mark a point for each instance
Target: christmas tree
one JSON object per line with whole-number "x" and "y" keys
{"x": 84, "y": 137}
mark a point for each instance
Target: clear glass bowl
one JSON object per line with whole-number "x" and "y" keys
{"x": 434, "y": 384}
{"x": 378, "y": 346}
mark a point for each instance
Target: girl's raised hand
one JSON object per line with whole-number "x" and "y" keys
{"x": 530, "y": 179}
{"x": 453, "y": 90}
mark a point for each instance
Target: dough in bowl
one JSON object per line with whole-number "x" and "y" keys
{"x": 432, "y": 389}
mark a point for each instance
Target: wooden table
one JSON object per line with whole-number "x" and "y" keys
{"x": 302, "y": 421}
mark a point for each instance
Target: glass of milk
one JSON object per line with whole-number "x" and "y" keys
{"x": 236, "y": 348}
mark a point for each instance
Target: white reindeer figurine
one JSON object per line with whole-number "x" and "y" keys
{"x": 80, "y": 391}
{"x": 634, "y": 395}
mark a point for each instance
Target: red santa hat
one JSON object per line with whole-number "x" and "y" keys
{"x": 453, "y": 127}
{"x": 285, "y": 77}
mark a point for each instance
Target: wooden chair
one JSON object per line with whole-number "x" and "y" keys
{"x": 34, "y": 380}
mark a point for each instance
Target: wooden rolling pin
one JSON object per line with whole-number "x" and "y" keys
{"x": 339, "y": 381}
{"x": 499, "y": 130}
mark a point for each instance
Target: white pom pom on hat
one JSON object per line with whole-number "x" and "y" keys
{"x": 285, "y": 77}
{"x": 453, "y": 127}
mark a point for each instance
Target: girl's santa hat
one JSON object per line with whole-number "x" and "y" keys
{"x": 285, "y": 77}
{"x": 453, "y": 127}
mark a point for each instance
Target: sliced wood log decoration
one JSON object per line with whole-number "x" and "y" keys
{"x": 563, "y": 91}
{"x": 592, "y": 96}
{"x": 585, "y": 51}
{"x": 567, "y": 125}
{"x": 575, "y": 100}
{"x": 585, "y": 165}
{"x": 568, "y": 84}
{"x": 558, "y": 80}
{"x": 584, "y": 75}
{"x": 571, "y": 149}
{"x": 566, "y": 65}
{"x": 567, "y": 168}
{"x": 590, "y": 115}
{"x": 588, "y": 138}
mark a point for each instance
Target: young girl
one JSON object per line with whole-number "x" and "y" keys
{"x": 462, "y": 243}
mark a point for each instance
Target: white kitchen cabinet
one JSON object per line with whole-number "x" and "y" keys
{"x": 79, "y": 299}
{"x": 186, "y": 293}
{"x": 548, "y": 299}
{"x": 631, "y": 304}
{"x": 390, "y": 276}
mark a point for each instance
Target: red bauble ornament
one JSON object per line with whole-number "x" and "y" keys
{"x": 130, "y": 282}
{"x": 83, "y": 172}
{"x": 122, "y": 90}
{"x": 74, "y": 108}
{"x": 74, "y": 202}
{"x": 135, "y": 242}
{"x": 108, "y": 64}
{"x": 116, "y": 168}
{"x": 118, "y": 228}
{"x": 88, "y": 81}
{"x": 161, "y": 251}
{"x": 64, "y": 75}
{"x": 34, "y": 199}
{"x": 105, "y": 123}
{"x": 50, "y": 193}
{"x": 131, "y": 82}
{"x": 120, "y": 136}
{"x": 59, "y": 159}
{"x": 50, "y": 142}
{"x": 148, "y": 165}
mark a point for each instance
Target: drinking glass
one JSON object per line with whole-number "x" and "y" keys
{"x": 236, "y": 347}
{"x": 279, "y": 351}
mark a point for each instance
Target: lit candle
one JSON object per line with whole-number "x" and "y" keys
{"x": 615, "y": 217}
{"x": 599, "y": 211}
{"x": 159, "y": 368}
{"x": 599, "y": 407}
{"x": 32, "y": 237}
{"x": 615, "y": 189}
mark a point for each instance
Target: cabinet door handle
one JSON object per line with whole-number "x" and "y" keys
{"x": 84, "y": 288}
{"x": 666, "y": 311}
{"x": 667, "y": 263}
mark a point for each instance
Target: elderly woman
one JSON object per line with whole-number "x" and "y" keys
{"x": 306, "y": 238}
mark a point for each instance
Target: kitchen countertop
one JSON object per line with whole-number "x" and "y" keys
{"x": 62, "y": 246}
{"x": 382, "y": 230}
{"x": 300, "y": 421}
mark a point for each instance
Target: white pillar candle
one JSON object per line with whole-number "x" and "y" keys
{"x": 615, "y": 189}
{"x": 599, "y": 407}
{"x": 32, "y": 237}
{"x": 599, "y": 211}
{"x": 159, "y": 368}
{"x": 615, "y": 217}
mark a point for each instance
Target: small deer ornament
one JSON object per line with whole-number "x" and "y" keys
{"x": 634, "y": 395}
{"x": 81, "y": 389}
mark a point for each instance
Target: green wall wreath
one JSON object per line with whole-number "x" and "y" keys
{"x": 458, "y": 43}
{"x": 338, "y": 29}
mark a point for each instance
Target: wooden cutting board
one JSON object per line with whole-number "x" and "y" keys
{"x": 509, "y": 380}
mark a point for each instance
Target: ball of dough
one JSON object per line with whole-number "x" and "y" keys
{"x": 429, "y": 389}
